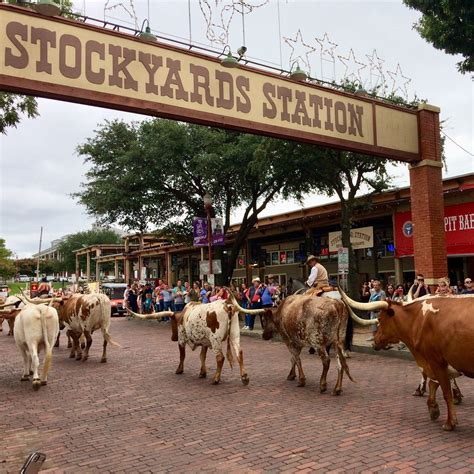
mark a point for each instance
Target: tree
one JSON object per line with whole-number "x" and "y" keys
{"x": 449, "y": 26}
{"x": 14, "y": 106}
{"x": 158, "y": 171}
{"x": 7, "y": 265}
{"x": 80, "y": 240}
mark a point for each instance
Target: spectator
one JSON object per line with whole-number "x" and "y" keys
{"x": 205, "y": 293}
{"x": 245, "y": 303}
{"x": 390, "y": 292}
{"x": 147, "y": 300}
{"x": 167, "y": 298}
{"x": 365, "y": 292}
{"x": 443, "y": 287}
{"x": 377, "y": 295}
{"x": 420, "y": 289}
{"x": 399, "y": 295}
{"x": 158, "y": 295}
{"x": 220, "y": 293}
{"x": 195, "y": 291}
{"x": 255, "y": 300}
{"x": 187, "y": 289}
{"x": 469, "y": 287}
{"x": 178, "y": 296}
{"x": 459, "y": 288}
{"x": 133, "y": 298}
{"x": 126, "y": 304}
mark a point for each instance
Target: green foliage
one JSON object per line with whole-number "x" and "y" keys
{"x": 7, "y": 265}
{"x": 79, "y": 240}
{"x": 449, "y": 26}
{"x": 13, "y": 106}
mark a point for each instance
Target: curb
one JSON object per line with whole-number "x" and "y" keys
{"x": 393, "y": 353}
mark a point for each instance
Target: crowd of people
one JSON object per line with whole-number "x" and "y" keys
{"x": 373, "y": 291}
{"x": 147, "y": 298}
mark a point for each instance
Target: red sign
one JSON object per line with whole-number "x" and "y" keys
{"x": 458, "y": 225}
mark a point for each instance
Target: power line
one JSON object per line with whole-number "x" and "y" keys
{"x": 456, "y": 143}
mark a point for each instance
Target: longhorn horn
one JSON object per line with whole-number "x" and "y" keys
{"x": 350, "y": 304}
{"x": 243, "y": 310}
{"x": 410, "y": 294}
{"x": 374, "y": 306}
{"x": 161, "y": 314}
{"x": 6, "y": 305}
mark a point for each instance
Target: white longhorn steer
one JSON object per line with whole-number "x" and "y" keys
{"x": 208, "y": 325}
{"x": 36, "y": 327}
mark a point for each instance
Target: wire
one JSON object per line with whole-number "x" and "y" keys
{"x": 456, "y": 143}
{"x": 189, "y": 21}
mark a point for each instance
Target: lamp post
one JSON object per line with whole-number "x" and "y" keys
{"x": 208, "y": 206}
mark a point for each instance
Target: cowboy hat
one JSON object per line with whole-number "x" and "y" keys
{"x": 311, "y": 257}
{"x": 256, "y": 279}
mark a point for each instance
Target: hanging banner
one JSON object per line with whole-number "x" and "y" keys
{"x": 200, "y": 231}
{"x": 361, "y": 238}
{"x": 458, "y": 225}
{"x": 217, "y": 231}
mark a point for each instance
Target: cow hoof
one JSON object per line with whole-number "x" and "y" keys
{"x": 323, "y": 389}
{"x": 337, "y": 391}
{"x": 245, "y": 379}
{"x": 179, "y": 371}
{"x": 36, "y": 384}
{"x": 85, "y": 358}
{"x": 103, "y": 360}
{"x": 71, "y": 356}
{"x": 202, "y": 375}
{"x": 44, "y": 382}
{"x": 448, "y": 426}
{"x": 291, "y": 377}
{"x": 418, "y": 392}
{"x": 301, "y": 383}
{"x": 69, "y": 345}
{"x": 79, "y": 357}
{"x": 25, "y": 378}
{"x": 31, "y": 372}
{"x": 215, "y": 382}
{"x": 434, "y": 413}
{"x": 56, "y": 344}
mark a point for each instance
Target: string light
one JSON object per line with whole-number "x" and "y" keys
{"x": 353, "y": 68}
{"x": 399, "y": 81}
{"x": 129, "y": 9}
{"x": 297, "y": 45}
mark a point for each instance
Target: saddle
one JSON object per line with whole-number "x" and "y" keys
{"x": 319, "y": 291}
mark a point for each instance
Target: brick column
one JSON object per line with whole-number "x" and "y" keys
{"x": 427, "y": 204}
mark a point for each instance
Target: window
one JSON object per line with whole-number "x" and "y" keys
{"x": 281, "y": 257}
{"x": 275, "y": 258}
{"x": 290, "y": 256}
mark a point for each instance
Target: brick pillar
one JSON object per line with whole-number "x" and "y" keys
{"x": 427, "y": 204}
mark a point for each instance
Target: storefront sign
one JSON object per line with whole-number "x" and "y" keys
{"x": 74, "y": 61}
{"x": 342, "y": 260}
{"x": 458, "y": 225}
{"x": 361, "y": 238}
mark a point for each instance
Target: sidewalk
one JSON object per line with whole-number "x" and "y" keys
{"x": 359, "y": 342}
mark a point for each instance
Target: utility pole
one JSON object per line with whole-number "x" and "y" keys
{"x": 39, "y": 251}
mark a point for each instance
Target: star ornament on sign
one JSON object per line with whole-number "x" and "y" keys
{"x": 300, "y": 51}
{"x": 376, "y": 68}
{"x": 327, "y": 47}
{"x": 128, "y": 7}
{"x": 400, "y": 82}
{"x": 352, "y": 67}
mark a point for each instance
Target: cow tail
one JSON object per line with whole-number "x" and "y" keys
{"x": 230, "y": 357}
{"x": 342, "y": 359}
{"x": 105, "y": 331}
{"x": 109, "y": 340}
{"x": 48, "y": 349}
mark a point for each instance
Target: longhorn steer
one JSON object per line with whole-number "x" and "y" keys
{"x": 208, "y": 325}
{"x": 36, "y": 326}
{"x": 438, "y": 330}
{"x": 84, "y": 314}
{"x": 9, "y": 310}
{"x": 309, "y": 321}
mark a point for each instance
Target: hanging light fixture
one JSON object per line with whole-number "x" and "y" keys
{"x": 229, "y": 60}
{"x": 298, "y": 74}
{"x": 361, "y": 91}
{"x": 147, "y": 35}
{"x": 47, "y": 8}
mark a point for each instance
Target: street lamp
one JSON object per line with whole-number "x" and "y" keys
{"x": 208, "y": 206}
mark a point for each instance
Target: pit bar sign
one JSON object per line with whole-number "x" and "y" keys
{"x": 73, "y": 61}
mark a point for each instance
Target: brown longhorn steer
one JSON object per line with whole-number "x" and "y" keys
{"x": 9, "y": 309}
{"x": 309, "y": 321}
{"x": 438, "y": 330}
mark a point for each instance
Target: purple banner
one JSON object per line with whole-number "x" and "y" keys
{"x": 200, "y": 231}
{"x": 217, "y": 231}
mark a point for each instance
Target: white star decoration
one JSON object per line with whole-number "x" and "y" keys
{"x": 129, "y": 9}
{"x": 375, "y": 69}
{"x": 326, "y": 47}
{"x": 400, "y": 82}
{"x": 352, "y": 67}
{"x": 300, "y": 51}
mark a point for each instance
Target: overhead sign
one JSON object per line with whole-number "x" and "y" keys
{"x": 458, "y": 226}
{"x": 204, "y": 267}
{"x": 73, "y": 61}
{"x": 361, "y": 238}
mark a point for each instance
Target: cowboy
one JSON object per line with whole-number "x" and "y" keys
{"x": 318, "y": 278}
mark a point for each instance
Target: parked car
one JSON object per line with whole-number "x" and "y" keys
{"x": 50, "y": 278}
{"x": 23, "y": 278}
{"x": 115, "y": 292}
{"x": 63, "y": 279}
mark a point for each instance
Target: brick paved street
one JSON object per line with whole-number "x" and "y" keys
{"x": 134, "y": 414}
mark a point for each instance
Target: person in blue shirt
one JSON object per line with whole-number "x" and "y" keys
{"x": 205, "y": 293}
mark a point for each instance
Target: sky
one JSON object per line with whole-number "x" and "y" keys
{"x": 39, "y": 167}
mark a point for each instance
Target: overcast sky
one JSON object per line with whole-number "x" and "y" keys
{"x": 39, "y": 166}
